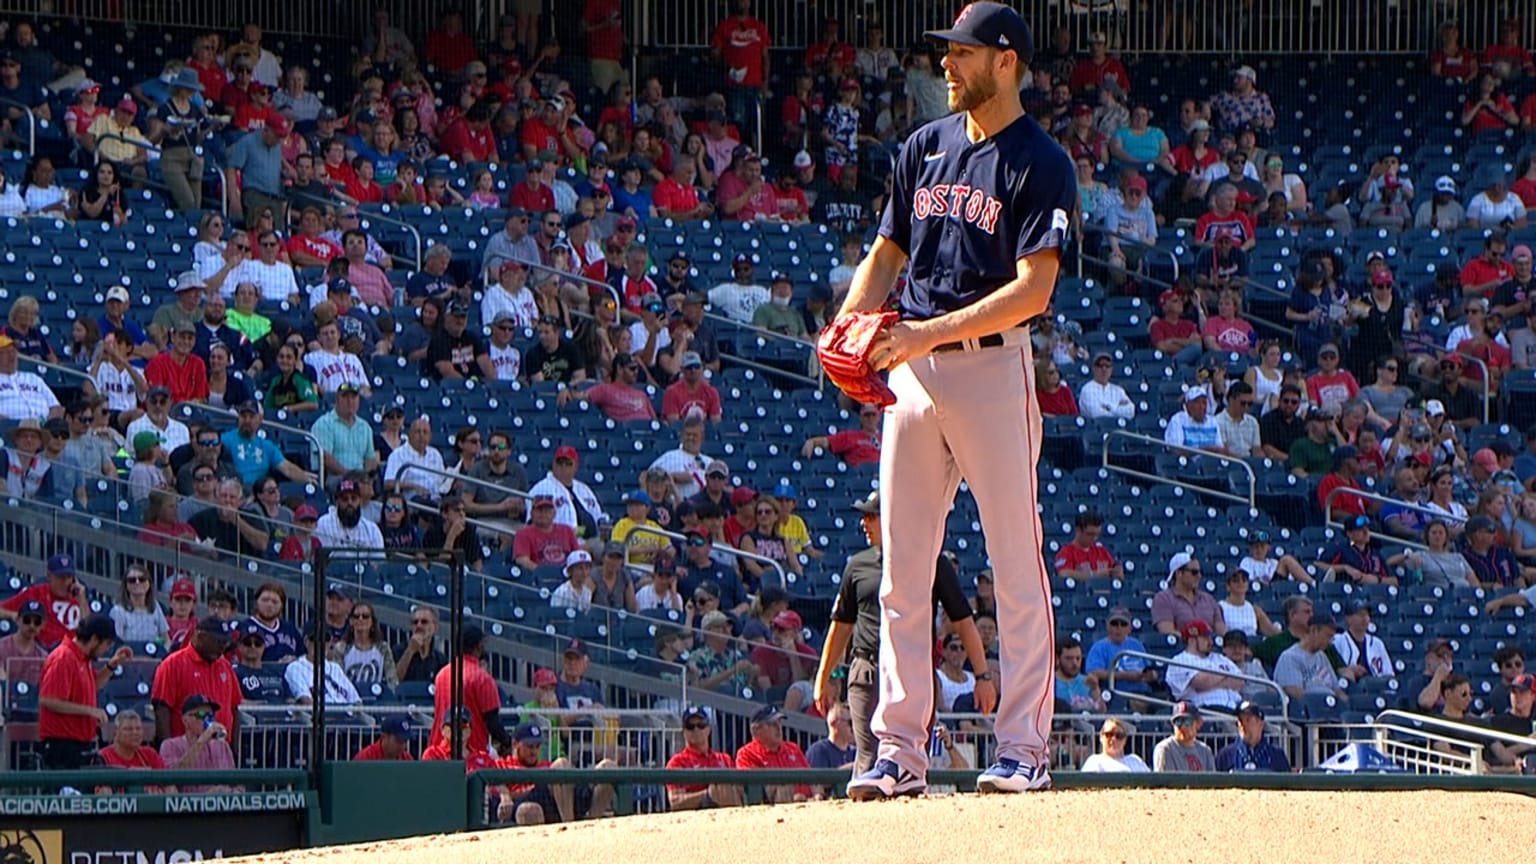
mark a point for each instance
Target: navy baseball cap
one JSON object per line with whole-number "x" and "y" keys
{"x": 30, "y": 608}
{"x": 528, "y": 733}
{"x": 456, "y": 715}
{"x": 250, "y": 628}
{"x": 1251, "y": 709}
{"x": 61, "y": 564}
{"x": 397, "y": 726}
{"x": 695, "y": 712}
{"x": 990, "y": 25}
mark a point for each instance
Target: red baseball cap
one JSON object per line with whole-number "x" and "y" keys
{"x": 278, "y": 124}
{"x": 183, "y": 588}
{"x": 1195, "y": 628}
{"x": 566, "y": 451}
{"x": 1137, "y": 182}
{"x": 545, "y": 678}
{"x": 789, "y": 619}
{"x": 742, "y": 494}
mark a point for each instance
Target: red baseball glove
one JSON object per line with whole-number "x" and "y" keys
{"x": 843, "y": 349}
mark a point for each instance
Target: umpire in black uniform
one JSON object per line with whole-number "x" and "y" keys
{"x": 856, "y": 623}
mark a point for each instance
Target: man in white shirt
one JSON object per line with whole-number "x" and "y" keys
{"x": 343, "y": 526}
{"x": 740, "y": 297}
{"x": 1194, "y": 426}
{"x": 506, "y": 360}
{"x": 274, "y": 280}
{"x": 157, "y": 419}
{"x": 576, "y": 591}
{"x": 1239, "y": 431}
{"x": 1494, "y": 206}
{"x": 300, "y": 678}
{"x": 686, "y": 464}
{"x": 333, "y": 366}
{"x": 401, "y": 473}
{"x": 1362, "y": 652}
{"x": 510, "y": 295}
{"x": 1101, "y": 397}
{"x": 575, "y": 504}
{"x": 24, "y": 395}
{"x": 1203, "y": 682}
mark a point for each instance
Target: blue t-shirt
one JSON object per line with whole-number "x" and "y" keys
{"x": 825, "y": 754}
{"x": 1102, "y": 652}
{"x": 385, "y": 165}
{"x": 253, "y": 457}
{"x": 134, "y": 332}
{"x": 1142, "y": 147}
{"x": 283, "y": 640}
{"x": 965, "y": 212}
{"x": 640, "y": 200}
{"x": 262, "y": 683}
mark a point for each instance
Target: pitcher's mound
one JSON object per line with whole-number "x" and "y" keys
{"x": 1088, "y": 825}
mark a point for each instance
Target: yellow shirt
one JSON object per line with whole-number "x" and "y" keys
{"x": 112, "y": 149}
{"x": 795, "y": 535}
{"x": 642, "y": 547}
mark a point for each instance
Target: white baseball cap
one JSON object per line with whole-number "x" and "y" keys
{"x": 579, "y": 556}
{"x": 1247, "y": 72}
{"x": 1445, "y": 184}
{"x": 1179, "y": 562}
{"x": 118, "y": 293}
{"x": 803, "y": 160}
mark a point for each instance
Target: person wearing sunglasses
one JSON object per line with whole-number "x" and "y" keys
{"x": 23, "y": 644}
{"x": 202, "y": 746}
{"x": 137, "y": 615}
{"x": 1182, "y": 751}
{"x": 697, "y": 753}
{"x": 1183, "y": 601}
{"x": 1112, "y": 757}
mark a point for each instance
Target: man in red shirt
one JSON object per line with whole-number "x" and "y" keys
{"x": 542, "y": 134}
{"x": 697, "y": 753}
{"x": 1085, "y": 557}
{"x": 469, "y": 138}
{"x": 128, "y": 749}
{"x": 542, "y": 542}
{"x": 1173, "y": 334}
{"x": 618, "y": 397}
{"x": 67, "y": 716}
{"x": 1330, "y": 387}
{"x": 602, "y": 22}
{"x": 676, "y": 198}
{"x": 768, "y": 749}
{"x": 533, "y": 194}
{"x": 1090, "y": 73}
{"x": 1481, "y": 275}
{"x": 61, "y": 597}
{"x": 177, "y": 369}
{"x": 786, "y": 660}
{"x": 530, "y": 804}
{"x": 1346, "y": 466}
{"x": 199, "y": 669}
{"x": 392, "y": 744}
{"x": 740, "y": 43}
{"x": 690, "y": 395}
{"x": 793, "y": 208}
{"x": 481, "y": 697}
{"x": 448, "y": 47}
{"x": 855, "y": 447}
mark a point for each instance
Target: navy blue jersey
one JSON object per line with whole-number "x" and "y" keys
{"x": 965, "y": 213}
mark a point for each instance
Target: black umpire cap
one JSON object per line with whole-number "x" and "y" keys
{"x": 990, "y": 25}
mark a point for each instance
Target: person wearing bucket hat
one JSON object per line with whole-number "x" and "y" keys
{"x": 179, "y": 125}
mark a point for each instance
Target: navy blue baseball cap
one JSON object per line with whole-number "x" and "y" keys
{"x": 990, "y": 25}
{"x": 30, "y": 608}
{"x": 456, "y": 715}
{"x": 61, "y": 564}
{"x": 528, "y": 733}
{"x": 396, "y": 725}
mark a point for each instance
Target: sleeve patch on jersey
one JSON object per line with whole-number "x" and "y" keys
{"x": 1059, "y": 220}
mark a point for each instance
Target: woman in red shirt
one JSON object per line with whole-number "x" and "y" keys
{"x": 1056, "y": 399}
{"x": 1451, "y": 60}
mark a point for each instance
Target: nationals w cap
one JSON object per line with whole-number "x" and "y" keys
{"x": 990, "y": 25}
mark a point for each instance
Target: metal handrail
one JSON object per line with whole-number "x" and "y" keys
{"x": 734, "y": 552}
{"x": 461, "y": 478}
{"x": 1253, "y": 482}
{"x": 58, "y": 367}
{"x": 1114, "y": 668}
{"x": 162, "y": 185}
{"x": 618, "y": 302}
{"x": 760, "y": 331}
{"x": 1474, "y": 733}
{"x": 818, "y": 383}
{"x": 187, "y": 408}
{"x": 1159, "y": 283}
{"x": 31, "y": 123}
{"x": 1382, "y": 499}
{"x": 415, "y": 234}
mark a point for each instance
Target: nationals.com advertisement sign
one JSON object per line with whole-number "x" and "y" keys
{"x": 148, "y": 829}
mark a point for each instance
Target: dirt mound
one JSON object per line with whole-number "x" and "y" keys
{"x": 1087, "y": 825}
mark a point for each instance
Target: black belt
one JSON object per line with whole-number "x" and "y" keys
{"x": 993, "y": 341}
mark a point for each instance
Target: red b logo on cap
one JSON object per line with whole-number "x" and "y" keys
{"x": 963, "y": 14}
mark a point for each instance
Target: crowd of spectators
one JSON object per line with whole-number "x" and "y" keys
{"x": 286, "y": 312}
